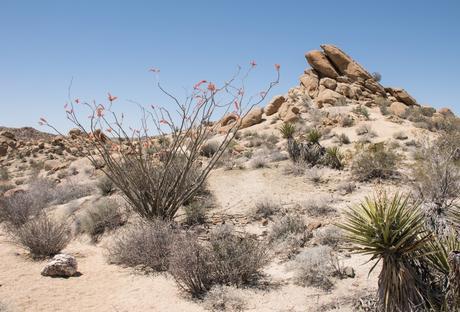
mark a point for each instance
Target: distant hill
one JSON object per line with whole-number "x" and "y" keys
{"x": 27, "y": 133}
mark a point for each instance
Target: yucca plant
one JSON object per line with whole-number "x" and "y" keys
{"x": 391, "y": 230}
{"x": 443, "y": 255}
{"x": 313, "y": 136}
{"x": 333, "y": 158}
{"x": 287, "y": 130}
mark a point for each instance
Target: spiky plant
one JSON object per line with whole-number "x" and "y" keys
{"x": 391, "y": 230}
{"x": 313, "y": 136}
{"x": 333, "y": 158}
{"x": 443, "y": 255}
{"x": 287, "y": 130}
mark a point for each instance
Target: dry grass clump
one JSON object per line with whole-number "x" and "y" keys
{"x": 361, "y": 111}
{"x": 224, "y": 298}
{"x": 296, "y": 169}
{"x": 6, "y": 187}
{"x": 104, "y": 217}
{"x": 374, "y": 161}
{"x": 315, "y": 175}
{"x": 346, "y": 121}
{"x": 314, "y": 267}
{"x": 287, "y": 225}
{"x": 69, "y": 191}
{"x": 42, "y": 236}
{"x": 209, "y": 148}
{"x": 266, "y": 208}
{"x": 259, "y": 162}
{"x": 346, "y": 187}
{"x": 146, "y": 244}
{"x": 343, "y": 139}
{"x": 318, "y": 206}
{"x": 226, "y": 260}
{"x": 365, "y": 130}
{"x": 329, "y": 236}
{"x": 105, "y": 185}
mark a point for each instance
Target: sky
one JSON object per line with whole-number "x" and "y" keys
{"x": 108, "y": 46}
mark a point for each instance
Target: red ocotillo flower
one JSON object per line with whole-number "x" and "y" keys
{"x": 277, "y": 67}
{"x": 253, "y": 63}
{"x": 196, "y": 86}
{"x": 111, "y": 97}
{"x": 211, "y": 87}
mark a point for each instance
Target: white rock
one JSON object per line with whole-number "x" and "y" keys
{"x": 61, "y": 265}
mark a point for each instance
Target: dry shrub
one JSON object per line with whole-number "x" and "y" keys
{"x": 346, "y": 187}
{"x": 259, "y": 162}
{"x": 374, "y": 161}
{"x": 6, "y": 187}
{"x": 295, "y": 168}
{"x": 314, "y": 175}
{"x": 4, "y": 176}
{"x": 69, "y": 191}
{"x": 329, "y": 235}
{"x": 287, "y": 225}
{"x": 42, "y": 236}
{"x": 346, "y": 121}
{"x": 318, "y": 206}
{"x": 315, "y": 267}
{"x": 146, "y": 244}
{"x": 104, "y": 217}
{"x": 22, "y": 206}
{"x": 209, "y": 148}
{"x": 400, "y": 135}
{"x": 226, "y": 260}
{"x": 266, "y": 208}
{"x": 224, "y": 298}
{"x": 365, "y": 130}
{"x": 195, "y": 212}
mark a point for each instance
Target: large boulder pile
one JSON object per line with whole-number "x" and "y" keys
{"x": 335, "y": 79}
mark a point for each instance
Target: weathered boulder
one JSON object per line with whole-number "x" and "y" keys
{"x": 347, "y": 90}
{"x": 229, "y": 119}
{"x": 310, "y": 81}
{"x": 274, "y": 105}
{"x": 399, "y": 109}
{"x": 61, "y": 265}
{"x": 328, "y": 83}
{"x": 375, "y": 87}
{"x": 328, "y": 96}
{"x": 253, "y": 117}
{"x": 446, "y": 112}
{"x": 321, "y": 64}
{"x": 75, "y": 133}
{"x": 402, "y": 96}
{"x": 52, "y": 165}
{"x": 344, "y": 63}
{"x": 428, "y": 111}
{"x": 288, "y": 112}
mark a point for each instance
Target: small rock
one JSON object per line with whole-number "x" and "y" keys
{"x": 61, "y": 265}
{"x": 349, "y": 272}
{"x": 313, "y": 226}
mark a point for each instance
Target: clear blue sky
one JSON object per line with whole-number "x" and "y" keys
{"x": 109, "y": 45}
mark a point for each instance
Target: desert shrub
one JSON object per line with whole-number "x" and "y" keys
{"x": 69, "y": 191}
{"x": 42, "y": 236}
{"x": 224, "y": 298}
{"x": 318, "y": 206}
{"x": 436, "y": 177}
{"x": 105, "y": 185}
{"x": 391, "y": 230}
{"x": 295, "y": 168}
{"x": 195, "y": 211}
{"x": 346, "y": 121}
{"x": 329, "y": 235}
{"x": 287, "y": 130}
{"x": 259, "y": 162}
{"x": 313, "y": 136}
{"x": 365, "y": 129}
{"x": 266, "y": 208}
{"x": 383, "y": 104}
{"x": 277, "y": 156}
{"x": 286, "y": 226}
{"x": 313, "y": 267}
{"x": 4, "y": 176}
{"x": 361, "y": 111}
{"x": 236, "y": 260}
{"x": 209, "y": 148}
{"x": 346, "y": 187}
{"x": 104, "y": 217}
{"x": 227, "y": 260}
{"x": 374, "y": 161}
{"x": 343, "y": 139}
{"x": 146, "y": 244}
{"x": 22, "y": 206}
{"x": 333, "y": 158}
{"x": 314, "y": 175}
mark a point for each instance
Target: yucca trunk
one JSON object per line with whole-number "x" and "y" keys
{"x": 399, "y": 285}
{"x": 454, "y": 280}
